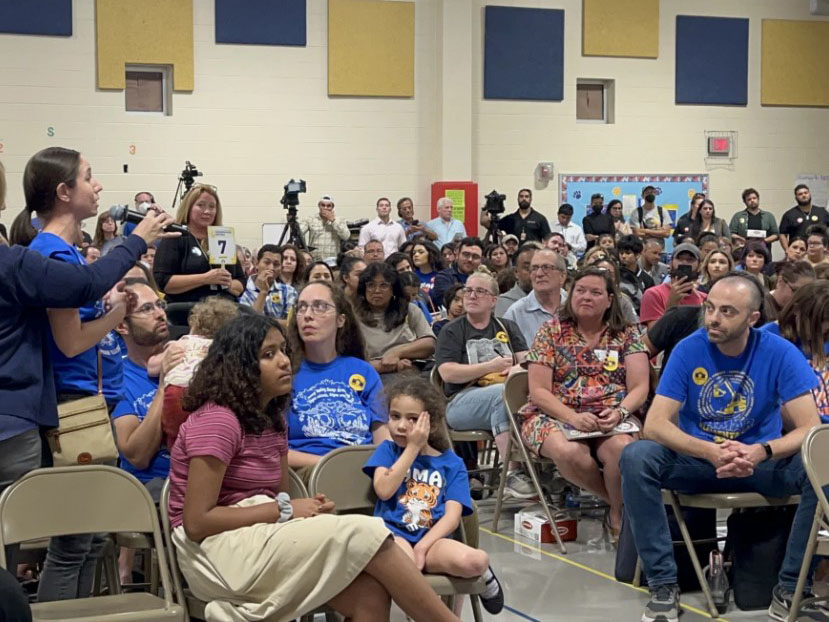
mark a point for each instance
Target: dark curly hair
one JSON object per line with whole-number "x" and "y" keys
{"x": 398, "y": 307}
{"x": 229, "y": 375}
{"x": 433, "y": 402}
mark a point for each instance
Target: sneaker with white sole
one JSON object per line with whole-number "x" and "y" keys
{"x": 781, "y": 604}
{"x": 663, "y": 605}
{"x": 519, "y": 485}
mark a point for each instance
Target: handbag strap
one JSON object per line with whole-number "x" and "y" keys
{"x": 100, "y": 371}
{"x": 509, "y": 341}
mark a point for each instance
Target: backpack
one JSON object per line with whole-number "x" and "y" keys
{"x": 641, "y": 213}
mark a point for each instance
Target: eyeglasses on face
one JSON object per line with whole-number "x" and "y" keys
{"x": 470, "y": 256}
{"x": 317, "y": 307}
{"x": 149, "y": 307}
{"x": 378, "y": 287}
{"x": 476, "y": 291}
{"x": 545, "y": 268}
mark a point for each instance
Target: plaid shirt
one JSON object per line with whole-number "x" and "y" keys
{"x": 280, "y": 300}
{"x": 325, "y": 237}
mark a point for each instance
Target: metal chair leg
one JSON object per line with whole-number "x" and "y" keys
{"x": 476, "y": 607}
{"x": 804, "y": 566}
{"x": 689, "y": 543}
{"x": 499, "y": 497}
{"x": 527, "y": 459}
{"x": 637, "y": 574}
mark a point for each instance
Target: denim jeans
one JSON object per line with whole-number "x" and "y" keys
{"x": 70, "y": 567}
{"x": 18, "y": 455}
{"x": 479, "y": 408}
{"x": 648, "y": 467}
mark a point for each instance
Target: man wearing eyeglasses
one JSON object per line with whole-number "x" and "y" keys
{"x": 137, "y": 416}
{"x": 470, "y": 254}
{"x": 548, "y": 271}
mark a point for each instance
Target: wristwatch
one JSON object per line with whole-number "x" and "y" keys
{"x": 769, "y": 452}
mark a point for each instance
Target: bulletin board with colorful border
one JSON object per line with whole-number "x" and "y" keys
{"x": 673, "y": 192}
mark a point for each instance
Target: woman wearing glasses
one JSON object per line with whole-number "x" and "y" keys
{"x": 475, "y": 354}
{"x": 181, "y": 266}
{"x": 336, "y": 395}
{"x": 396, "y": 332}
{"x": 588, "y": 372}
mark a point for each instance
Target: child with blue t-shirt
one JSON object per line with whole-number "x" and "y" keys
{"x": 422, "y": 488}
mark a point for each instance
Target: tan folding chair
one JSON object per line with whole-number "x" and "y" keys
{"x": 194, "y": 607}
{"x": 87, "y": 499}
{"x": 339, "y": 476}
{"x": 516, "y": 392}
{"x": 711, "y": 501}
{"x": 815, "y": 455}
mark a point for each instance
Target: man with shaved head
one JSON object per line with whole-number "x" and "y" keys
{"x": 715, "y": 426}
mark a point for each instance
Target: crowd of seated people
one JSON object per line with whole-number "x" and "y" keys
{"x": 334, "y": 347}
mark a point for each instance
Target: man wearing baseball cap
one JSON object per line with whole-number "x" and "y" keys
{"x": 680, "y": 291}
{"x": 324, "y": 232}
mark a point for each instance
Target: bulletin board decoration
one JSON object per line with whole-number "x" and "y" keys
{"x": 464, "y": 195}
{"x": 673, "y": 192}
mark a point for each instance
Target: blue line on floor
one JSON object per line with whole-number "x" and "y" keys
{"x": 523, "y": 615}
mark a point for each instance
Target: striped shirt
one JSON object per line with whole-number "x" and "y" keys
{"x": 253, "y": 461}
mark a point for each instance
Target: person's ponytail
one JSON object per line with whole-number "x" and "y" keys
{"x": 22, "y": 231}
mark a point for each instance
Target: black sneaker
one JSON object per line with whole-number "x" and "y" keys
{"x": 781, "y": 604}
{"x": 493, "y": 603}
{"x": 663, "y": 605}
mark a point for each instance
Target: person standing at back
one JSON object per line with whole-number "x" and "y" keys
{"x": 383, "y": 229}
{"x": 448, "y": 229}
{"x": 525, "y": 223}
{"x": 796, "y": 220}
{"x": 649, "y": 221}
{"x": 597, "y": 222}
{"x": 323, "y": 231}
{"x": 753, "y": 222}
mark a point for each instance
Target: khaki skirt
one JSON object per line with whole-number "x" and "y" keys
{"x": 277, "y": 571}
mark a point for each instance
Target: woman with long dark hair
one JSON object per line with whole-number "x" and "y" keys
{"x": 293, "y": 266}
{"x": 706, "y": 220}
{"x": 350, "y": 270}
{"x": 427, "y": 262}
{"x": 106, "y": 234}
{"x": 242, "y": 541}
{"x": 395, "y": 331}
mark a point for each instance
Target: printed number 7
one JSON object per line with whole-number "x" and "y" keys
{"x": 223, "y": 245}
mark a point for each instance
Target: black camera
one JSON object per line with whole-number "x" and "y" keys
{"x": 495, "y": 203}
{"x": 292, "y": 189}
{"x": 188, "y": 174}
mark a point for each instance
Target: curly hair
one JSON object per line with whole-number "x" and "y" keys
{"x": 396, "y": 258}
{"x": 208, "y": 316}
{"x": 349, "y": 340}
{"x": 432, "y": 401}
{"x": 229, "y": 375}
{"x": 802, "y": 321}
{"x": 432, "y": 252}
{"x": 398, "y": 307}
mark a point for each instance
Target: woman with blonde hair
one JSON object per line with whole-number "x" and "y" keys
{"x": 715, "y": 266}
{"x": 182, "y": 268}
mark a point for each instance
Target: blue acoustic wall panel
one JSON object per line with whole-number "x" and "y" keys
{"x": 711, "y": 60}
{"x": 261, "y": 22}
{"x": 36, "y": 17}
{"x": 523, "y": 53}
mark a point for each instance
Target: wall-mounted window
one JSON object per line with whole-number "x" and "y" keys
{"x": 594, "y": 101}
{"x": 148, "y": 89}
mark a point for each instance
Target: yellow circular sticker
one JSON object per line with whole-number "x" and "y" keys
{"x": 357, "y": 382}
{"x": 276, "y": 298}
{"x": 700, "y": 376}
{"x": 617, "y": 191}
{"x": 501, "y": 336}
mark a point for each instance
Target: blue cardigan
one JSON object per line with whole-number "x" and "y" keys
{"x": 29, "y": 284}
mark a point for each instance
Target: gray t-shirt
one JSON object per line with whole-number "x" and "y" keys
{"x": 460, "y": 342}
{"x": 379, "y": 340}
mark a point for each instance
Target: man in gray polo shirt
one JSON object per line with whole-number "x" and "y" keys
{"x": 548, "y": 271}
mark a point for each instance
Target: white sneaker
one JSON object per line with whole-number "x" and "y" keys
{"x": 519, "y": 485}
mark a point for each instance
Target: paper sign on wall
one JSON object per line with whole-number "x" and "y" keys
{"x": 818, "y": 186}
{"x": 458, "y": 203}
{"x": 221, "y": 243}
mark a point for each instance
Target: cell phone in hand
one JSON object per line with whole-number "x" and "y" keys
{"x": 684, "y": 271}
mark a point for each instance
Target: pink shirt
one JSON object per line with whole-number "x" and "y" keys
{"x": 253, "y": 461}
{"x": 655, "y": 301}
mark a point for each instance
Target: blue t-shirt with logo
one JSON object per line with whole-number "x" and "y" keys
{"x": 78, "y": 374}
{"x": 420, "y": 502}
{"x": 821, "y": 391}
{"x": 734, "y": 398}
{"x": 139, "y": 391}
{"x": 334, "y": 405}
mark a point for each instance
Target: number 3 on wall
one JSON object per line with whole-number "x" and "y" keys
{"x": 132, "y": 149}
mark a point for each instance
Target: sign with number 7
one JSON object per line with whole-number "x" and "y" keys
{"x": 221, "y": 245}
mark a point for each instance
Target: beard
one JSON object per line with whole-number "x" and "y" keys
{"x": 146, "y": 338}
{"x": 723, "y": 335}
{"x": 524, "y": 204}
{"x": 804, "y": 203}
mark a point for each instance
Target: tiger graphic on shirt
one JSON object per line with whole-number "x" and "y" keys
{"x": 419, "y": 499}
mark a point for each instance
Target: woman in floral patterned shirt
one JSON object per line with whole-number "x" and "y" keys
{"x": 588, "y": 371}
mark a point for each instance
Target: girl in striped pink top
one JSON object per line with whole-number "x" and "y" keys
{"x": 243, "y": 544}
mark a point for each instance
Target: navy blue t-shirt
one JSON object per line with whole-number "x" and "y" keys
{"x": 420, "y": 502}
{"x": 734, "y": 398}
{"x": 139, "y": 391}
{"x": 334, "y": 405}
{"x": 78, "y": 374}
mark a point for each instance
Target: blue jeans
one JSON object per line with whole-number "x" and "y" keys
{"x": 70, "y": 567}
{"x": 479, "y": 408}
{"x": 648, "y": 467}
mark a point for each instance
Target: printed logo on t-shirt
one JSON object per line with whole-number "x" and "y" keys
{"x": 483, "y": 350}
{"x": 700, "y": 376}
{"x": 357, "y": 382}
{"x": 501, "y": 336}
{"x": 330, "y": 409}
{"x": 725, "y": 403}
{"x": 276, "y": 298}
{"x": 419, "y": 500}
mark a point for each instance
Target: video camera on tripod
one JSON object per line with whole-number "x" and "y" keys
{"x": 292, "y": 234}
{"x": 293, "y": 188}
{"x": 187, "y": 178}
{"x": 494, "y": 206}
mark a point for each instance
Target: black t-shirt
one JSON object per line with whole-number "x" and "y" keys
{"x": 533, "y": 228}
{"x": 596, "y": 224}
{"x": 460, "y": 342}
{"x": 795, "y": 222}
{"x": 683, "y": 227}
{"x": 674, "y": 326}
{"x": 184, "y": 256}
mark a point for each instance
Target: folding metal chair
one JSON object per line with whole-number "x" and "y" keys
{"x": 339, "y": 476}
{"x": 87, "y": 499}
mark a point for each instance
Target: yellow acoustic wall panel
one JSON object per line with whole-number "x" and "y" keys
{"x": 795, "y": 63}
{"x": 620, "y": 28}
{"x": 144, "y": 32}
{"x": 371, "y": 48}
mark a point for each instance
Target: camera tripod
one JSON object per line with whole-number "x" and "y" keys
{"x": 292, "y": 234}
{"x": 493, "y": 234}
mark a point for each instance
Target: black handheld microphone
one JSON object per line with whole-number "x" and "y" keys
{"x": 122, "y": 213}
